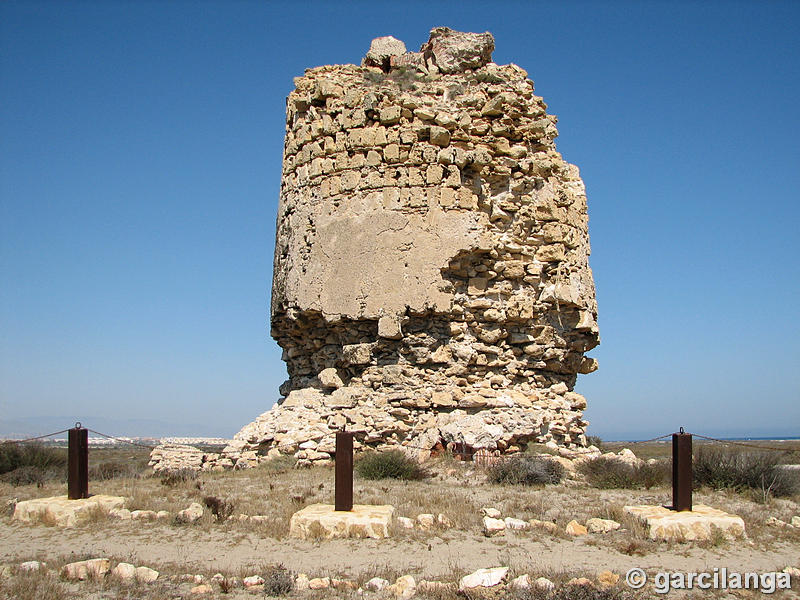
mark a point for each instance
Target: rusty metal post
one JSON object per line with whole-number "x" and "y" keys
{"x": 344, "y": 470}
{"x": 78, "y": 474}
{"x": 681, "y": 471}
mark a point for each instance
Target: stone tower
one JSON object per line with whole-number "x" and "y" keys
{"x": 431, "y": 280}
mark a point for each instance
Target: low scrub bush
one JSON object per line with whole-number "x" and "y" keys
{"x": 391, "y": 464}
{"x": 610, "y": 473}
{"x": 278, "y": 581}
{"x": 13, "y": 456}
{"x": 526, "y": 470}
{"x": 725, "y": 468}
{"x": 111, "y": 470}
{"x": 574, "y": 592}
{"x": 221, "y": 508}
{"x": 177, "y": 476}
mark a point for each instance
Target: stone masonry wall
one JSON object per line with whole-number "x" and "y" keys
{"x": 431, "y": 278}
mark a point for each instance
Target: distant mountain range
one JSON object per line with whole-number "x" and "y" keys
{"x": 32, "y": 426}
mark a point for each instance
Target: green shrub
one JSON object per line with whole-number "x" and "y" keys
{"x": 760, "y": 471}
{"x": 610, "y": 473}
{"x": 390, "y": 464}
{"x": 526, "y": 470}
{"x": 13, "y": 456}
{"x": 278, "y": 581}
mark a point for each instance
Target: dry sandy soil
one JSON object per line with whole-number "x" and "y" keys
{"x": 457, "y": 490}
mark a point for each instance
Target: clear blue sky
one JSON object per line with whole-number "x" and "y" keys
{"x": 140, "y": 153}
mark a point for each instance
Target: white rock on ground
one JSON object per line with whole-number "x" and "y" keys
{"x": 319, "y": 583}
{"x": 483, "y": 578}
{"x": 405, "y": 522}
{"x": 191, "y": 514}
{"x": 796, "y": 521}
{"x": 543, "y": 583}
{"x": 426, "y": 521}
{"x": 376, "y": 584}
{"x": 252, "y": 581}
{"x": 444, "y": 521}
{"x": 124, "y": 571}
{"x": 492, "y": 513}
{"x": 518, "y": 524}
{"x": 523, "y": 582}
{"x": 31, "y": 565}
{"x": 493, "y": 526}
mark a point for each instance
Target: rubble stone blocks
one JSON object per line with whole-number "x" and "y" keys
{"x": 698, "y": 524}
{"x": 323, "y": 521}
{"x": 63, "y": 512}
{"x": 431, "y": 278}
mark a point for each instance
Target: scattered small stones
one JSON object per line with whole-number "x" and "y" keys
{"x": 483, "y": 578}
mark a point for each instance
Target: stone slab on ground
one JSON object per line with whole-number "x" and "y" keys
{"x": 697, "y": 524}
{"x": 63, "y": 512}
{"x": 323, "y": 521}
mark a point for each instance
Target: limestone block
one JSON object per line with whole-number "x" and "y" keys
{"x": 63, "y": 512}
{"x": 84, "y": 569}
{"x": 322, "y": 521}
{"x": 454, "y": 51}
{"x": 595, "y": 525}
{"x": 382, "y": 49}
{"x": 576, "y": 529}
{"x": 483, "y": 578}
{"x": 389, "y": 327}
{"x": 697, "y": 524}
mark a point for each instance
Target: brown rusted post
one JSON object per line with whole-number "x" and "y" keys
{"x": 344, "y": 470}
{"x": 78, "y": 475}
{"x": 681, "y": 471}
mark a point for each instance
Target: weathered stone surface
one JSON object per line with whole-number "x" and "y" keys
{"x": 382, "y": 49}
{"x": 697, "y": 524}
{"x": 63, "y": 512}
{"x": 191, "y": 514}
{"x": 404, "y": 587}
{"x": 322, "y": 521}
{"x": 84, "y": 569}
{"x": 595, "y": 525}
{"x": 124, "y": 571}
{"x": 483, "y": 578}
{"x": 455, "y": 51}
{"x": 432, "y": 251}
{"x": 575, "y": 529}
{"x": 493, "y": 526}
{"x": 146, "y": 574}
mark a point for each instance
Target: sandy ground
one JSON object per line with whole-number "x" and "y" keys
{"x": 209, "y": 551}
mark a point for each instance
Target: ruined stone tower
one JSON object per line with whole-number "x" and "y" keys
{"x": 431, "y": 279}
